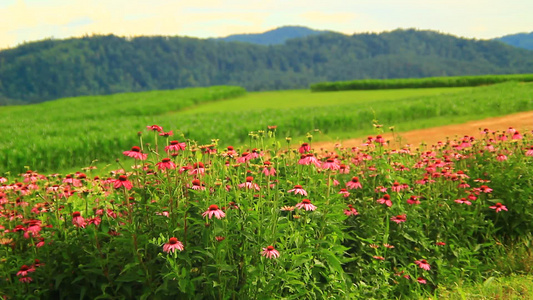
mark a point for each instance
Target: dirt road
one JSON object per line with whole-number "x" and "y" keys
{"x": 520, "y": 121}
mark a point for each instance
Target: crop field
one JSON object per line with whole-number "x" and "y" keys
{"x": 67, "y": 133}
{"x": 274, "y": 222}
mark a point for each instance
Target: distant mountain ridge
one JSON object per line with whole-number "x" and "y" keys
{"x": 52, "y": 69}
{"x": 272, "y": 37}
{"x": 520, "y": 40}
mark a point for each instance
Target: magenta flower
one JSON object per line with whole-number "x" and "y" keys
{"x": 378, "y": 257}
{"x": 172, "y": 245}
{"x": 306, "y": 204}
{"x": 413, "y": 200}
{"x": 175, "y": 146}
{"x": 330, "y": 164}
{"x": 499, "y": 207}
{"x": 463, "y": 201}
{"x": 249, "y": 184}
{"x": 122, "y": 181}
{"x": 24, "y": 270}
{"x": 423, "y": 264}
{"x": 344, "y": 193}
{"x": 268, "y": 170}
{"x": 77, "y": 219}
{"x": 421, "y": 280}
{"x": 529, "y": 152}
{"x": 354, "y": 183}
{"x": 385, "y": 200}
{"x": 270, "y": 252}
{"x": 197, "y": 185}
{"x": 136, "y": 153}
{"x": 399, "y": 219}
{"x": 304, "y": 148}
{"x": 166, "y": 164}
{"x": 351, "y": 211}
{"x": 155, "y": 128}
{"x": 214, "y": 211}
{"x": 298, "y": 190}
{"x": 166, "y": 134}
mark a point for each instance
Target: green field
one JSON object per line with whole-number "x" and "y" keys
{"x": 59, "y": 135}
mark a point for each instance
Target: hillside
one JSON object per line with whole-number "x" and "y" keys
{"x": 272, "y": 37}
{"x": 52, "y": 69}
{"x": 520, "y": 40}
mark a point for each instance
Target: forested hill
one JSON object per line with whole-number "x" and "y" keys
{"x": 272, "y": 37}
{"x": 52, "y": 69}
{"x": 521, "y": 40}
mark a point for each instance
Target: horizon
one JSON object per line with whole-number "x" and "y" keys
{"x": 25, "y": 21}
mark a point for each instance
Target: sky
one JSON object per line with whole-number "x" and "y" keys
{"x": 29, "y": 20}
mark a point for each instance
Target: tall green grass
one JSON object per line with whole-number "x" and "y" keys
{"x": 73, "y": 132}
{"x": 452, "y": 81}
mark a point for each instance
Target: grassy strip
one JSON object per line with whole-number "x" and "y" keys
{"x": 453, "y": 81}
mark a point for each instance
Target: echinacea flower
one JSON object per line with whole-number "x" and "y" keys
{"x": 423, "y": 264}
{"x": 306, "y": 204}
{"x": 499, "y": 207}
{"x": 270, "y": 252}
{"x": 166, "y": 164}
{"x": 249, "y": 184}
{"x": 24, "y": 270}
{"x": 354, "y": 183}
{"x": 172, "y": 245}
{"x": 385, "y": 200}
{"x": 136, "y": 153}
{"x": 304, "y": 148}
{"x": 421, "y": 280}
{"x": 298, "y": 190}
{"x": 344, "y": 193}
{"x": 154, "y": 128}
{"x": 214, "y": 211}
{"x": 399, "y": 219}
{"x": 378, "y": 257}
{"x": 175, "y": 146}
{"x": 197, "y": 185}
{"x": 413, "y": 200}
{"x": 122, "y": 181}
{"x": 351, "y": 211}
{"x": 77, "y": 219}
{"x": 529, "y": 152}
{"x": 440, "y": 243}
{"x": 330, "y": 164}
{"x": 463, "y": 201}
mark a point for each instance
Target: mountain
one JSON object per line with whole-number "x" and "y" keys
{"x": 520, "y": 40}
{"x": 273, "y": 37}
{"x": 52, "y": 69}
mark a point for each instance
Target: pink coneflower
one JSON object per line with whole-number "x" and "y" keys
{"x": 304, "y": 148}
{"x": 220, "y": 238}
{"x": 421, "y": 280}
{"x": 380, "y": 189}
{"x": 268, "y": 170}
{"x": 122, "y": 181}
{"x": 77, "y": 219}
{"x": 413, "y": 200}
{"x": 298, "y": 190}
{"x": 249, "y": 184}
{"x": 499, "y": 207}
{"x": 399, "y": 219}
{"x": 517, "y": 136}
{"x": 24, "y": 270}
{"x": 380, "y": 140}
{"x": 136, "y": 153}
{"x": 175, "y": 146}
{"x": 214, "y": 211}
{"x": 385, "y": 200}
{"x": 172, "y": 245}
{"x": 351, "y": 211}
{"x": 330, "y": 164}
{"x": 501, "y": 157}
{"x": 378, "y": 257}
{"x": 529, "y": 152}
{"x": 306, "y": 204}
{"x": 197, "y": 185}
{"x": 388, "y": 246}
{"x": 354, "y": 183}
{"x": 344, "y": 169}
{"x": 484, "y": 189}
{"x": 270, "y": 252}
{"x": 511, "y": 130}
{"x": 344, "y": 193}
{"x": 95, "y": 221}
{"x": 463, "y": 201}
{"x": 166, "y": 164}
{"x": 166, "y": 134}
{"x": 154, "y": 128}
{"x": 423, "y": 264}
{"x": 440, "y": 243}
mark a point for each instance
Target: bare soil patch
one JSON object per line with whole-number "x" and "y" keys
{"x": 519, "y": 121}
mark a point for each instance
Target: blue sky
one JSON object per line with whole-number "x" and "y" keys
{"x": 28, "y": 20}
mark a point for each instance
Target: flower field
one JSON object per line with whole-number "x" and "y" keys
{"x": 267, "y": 220}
